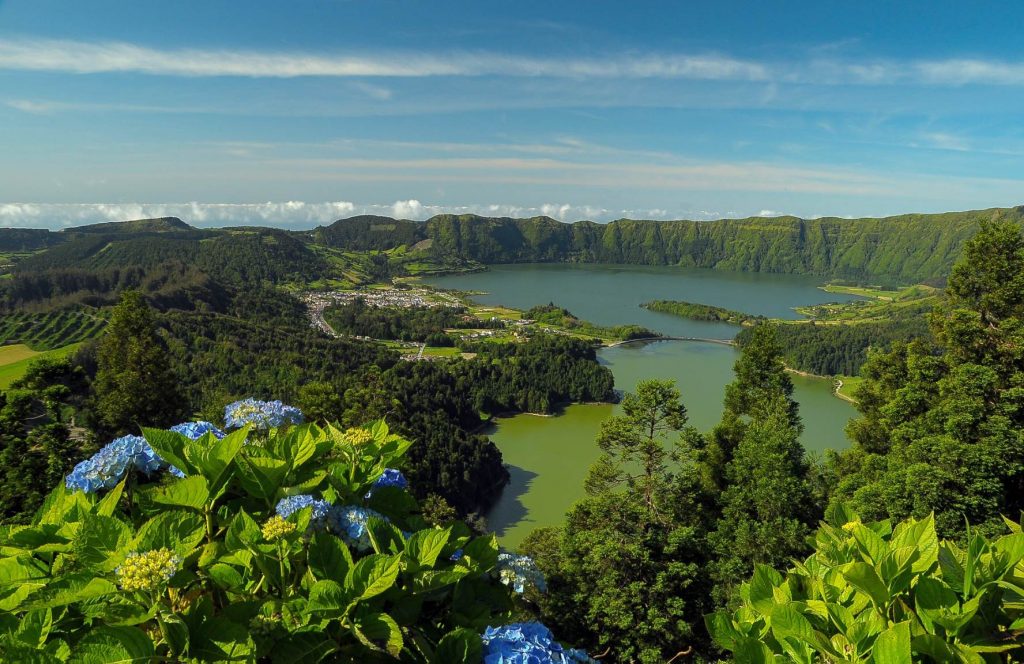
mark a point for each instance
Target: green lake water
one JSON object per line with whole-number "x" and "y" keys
{"x": 548, "y": 457}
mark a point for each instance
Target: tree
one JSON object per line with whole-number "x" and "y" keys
{"x": 941, "y": 424}
{"x": 760, "y": 386}
{"x": 134, "y": 381}
{"x": 627, "y": 572}
{"x": 767, "y": 509}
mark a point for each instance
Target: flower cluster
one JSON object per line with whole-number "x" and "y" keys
{"x": 276, "y": 527}
{"x": 356, "y": 436}
{"x": 260, "y": 414}
{"x": 288, "y": 506}
{"x": 520, "y": 571}
{"x": 349, "y": 523}
{"x": 147, "y": 571}
{"x": 390, "y": 477}
{"x": 196, "y": 430}
{"x": 526, "y": 643}
{"x": 105, "y": 469}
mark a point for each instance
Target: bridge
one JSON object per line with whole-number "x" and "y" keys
{"x": 724, "y": 342}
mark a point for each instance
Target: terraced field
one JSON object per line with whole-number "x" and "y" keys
{"x": 14, "y": 360}
{"x": 52, "y": 330}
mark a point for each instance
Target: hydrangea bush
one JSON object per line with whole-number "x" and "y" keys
{"x": 880, "y": 593}
{"x": 297, "y": 544}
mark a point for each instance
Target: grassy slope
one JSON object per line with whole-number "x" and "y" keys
{"x": 14, "y": 363}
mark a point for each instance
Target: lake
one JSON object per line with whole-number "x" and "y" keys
{"x": 548, "y": 457}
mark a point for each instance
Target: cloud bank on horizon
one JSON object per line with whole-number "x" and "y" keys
{"x": 300, "y": 215}
{"x": 825, "y": 109}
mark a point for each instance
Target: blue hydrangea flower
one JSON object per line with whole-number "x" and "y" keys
{"x": 260, "y": 414}
{"x": 106, "y": 468}
{"x": 390, "y": 477}
{"x": 456, "y": 556}
{"x": 288, "y": 506}
{"x": 349, "y": 523}
{"x": 196, "y": 430}
{"x": 526, "y": 643}
{"x": 520, "y": 571}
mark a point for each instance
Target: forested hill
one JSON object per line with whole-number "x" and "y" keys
{"x": 907, "y": 248}
{"x": 158, "y": 225}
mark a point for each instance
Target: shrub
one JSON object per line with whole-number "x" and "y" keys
{"x": 878, "y": 593}
{"x": 280, "y": 545}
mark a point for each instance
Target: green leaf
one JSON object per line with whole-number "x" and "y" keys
{"x": 108, "y": 505}
{"x": 920, "y": 535}
{"x": 35, "y": 627}
{"x": 384, "y": 536}
{"x": 893, "y": 645}
{"x": 262, "y": 476}
{"x": 481, "y": 553}
{"x": 302, "y": 648}
{"x": 175, "y": 633}
{"x": 327, "y": 597}
{"x": 373, "y": 575}
{"x": 426, "y": 545}
{"x": 721, "y": 629}
{"x": 225, "y": 576}
{"x": 866, "y": 579}
{"x": 191, "y": 492}
{"x": 242, "y": 533}
{"x": 213, "y": 457}
{"x": 896, "y": 568}
{"x": 221, "y": 640}
{"x": 787, "y": 621}
{"x": 113, "y": 645}
{"x": 328, "y": 557}
{"x": 762, "y": 588}
{"x": 176, "y": 530}
{"x": 460, "y": 646}
{"x": 69, "y": 590}
{"x": 380, "y": 627}
{"x": 169, "y": 446}
{"x": 99, "y": 540}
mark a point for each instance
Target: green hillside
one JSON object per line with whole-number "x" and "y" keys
{"x": 47, "y": 331}
{"x": 904, "y": 249}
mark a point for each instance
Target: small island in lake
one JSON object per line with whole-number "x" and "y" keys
{"x": 695, "y": 311}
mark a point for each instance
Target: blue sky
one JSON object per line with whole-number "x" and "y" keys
{"x": 297, "y": 113}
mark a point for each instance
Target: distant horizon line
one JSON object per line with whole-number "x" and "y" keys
{"x": 327, "y": 220}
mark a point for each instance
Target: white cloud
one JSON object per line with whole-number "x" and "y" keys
{"x": 80, "y": 57}
{"x": 301, "y": 214}
{"x": 111, "y": 57}
{"x": 410, "y": 209}
{"x": 767, "y": 213}
{"x": 287, "y": 213}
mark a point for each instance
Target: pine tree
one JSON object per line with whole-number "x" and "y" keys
{"x": 134, "y": 384}
{"x": 766, "y": 506}
{"x": 626, "y": 573}
{"x": 761, "y": 382}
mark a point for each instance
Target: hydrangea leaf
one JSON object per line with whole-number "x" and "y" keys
{"x": 893, "y": 645}
{"x": 303, "y": 648}
{"x": 191, "y": 492}
{"x": 113, "y": 645}
{"x": 327, "y": 597}
{"x": 262, "y": 476}
{"x": 460, "y": 646}
{"x": 214, "y": 460}
{"x": 177, "y": 530}
{"x": 328, "y": 557}
{"x": 169, "y": 446}
{"x": 373, "y": 575}
{"x": 425, "y": 546}
{"x": 379, "y": 627}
